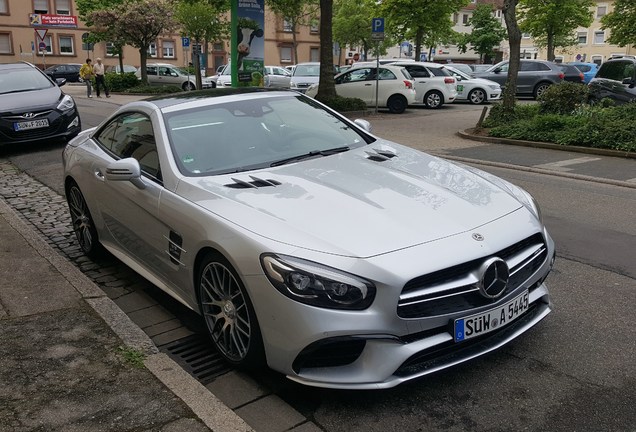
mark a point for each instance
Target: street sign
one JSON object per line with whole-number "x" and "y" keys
{"x": 42, "y": 46}
{"x": 185, "y": 42}
{"x": 41, "y": 33}
{"x": 85, "y": 37}
{"x": 377, "y": 29}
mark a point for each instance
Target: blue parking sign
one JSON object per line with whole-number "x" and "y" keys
{"x": 377, "y": 25}
{"x": 185, "y": 42}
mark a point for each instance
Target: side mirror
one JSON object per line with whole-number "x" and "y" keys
{"x": 458, "y": 77}
{"x": 125, "y": 170}
{"x": 497, "y": 70}
{"x": 363, "y": 124}
{"x": 628, "y": 81}
{"x": 60, "y": 81}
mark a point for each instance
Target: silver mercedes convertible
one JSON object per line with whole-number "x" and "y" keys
{"x": 336, "y": 257}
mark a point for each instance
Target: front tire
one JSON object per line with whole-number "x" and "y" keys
{"x": 477, "y": 97}
{"x": 189, "y": 86}
{"x": 83, "y": 224}
{"x": 228, "y": 313}
{"x": 433, "y": 99}
{"x": 397, "y": 104}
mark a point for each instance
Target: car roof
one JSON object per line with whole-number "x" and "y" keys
{"x": 16, "y": 66}
{"x": 427, "y": 64}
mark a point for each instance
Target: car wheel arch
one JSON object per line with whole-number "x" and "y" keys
{"x": 535, "y": 91}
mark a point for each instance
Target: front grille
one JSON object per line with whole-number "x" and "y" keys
{"x": 57, "y": 125}
{"x": 455, "y": 288}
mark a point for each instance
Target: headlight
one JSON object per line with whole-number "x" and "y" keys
{"x": 317, "y": 285}
{"x": 494, "y": 86}
{"x": 66, "y": 103}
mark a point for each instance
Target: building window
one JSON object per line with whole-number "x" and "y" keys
{"x": 465, "y": 19}
{"x": 558, "y": 59}
{"x": 66, "y": 45}
{"x": 498, "y": 13}
{"x": 110, "y": 49}
{"x": 5, "y": 43}
{"x": 167, "y": 49}
{"x": 314, "y": 54}
{"x": 63, "y": 7}
{"x": 285, "y": 54}
{"x": 601, "y": 11}
{"x": 597, "y": 59}
{"x": 314, "y": 27}
{"x": 525, "y": 35}
{"x": 218, "y": 46}
{"x": 455, "y": 18}
{"x": 41, "y": 6}
{"x": 599, "y": 37}
{"x": 287, "y": 27}
{"x": 3, "y": 7}
{"x": 582, "y": 38}
{"x": 48, "y": 43}
{"x": 152, "y": 49}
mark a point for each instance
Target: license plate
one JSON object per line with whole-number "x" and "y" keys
{"x": 33, "y": 124}
{"x": 460, "y": 88}
{"x": 485, "y": 322}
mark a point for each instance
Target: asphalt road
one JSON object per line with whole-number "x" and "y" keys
{"x": 574, "y": 371}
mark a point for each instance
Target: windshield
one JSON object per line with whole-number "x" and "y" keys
{"x": 307, "y": 70}
{"x": 22, "y": 80}
{"x": 458, "y": 72}
{"x": 242, "y": 135}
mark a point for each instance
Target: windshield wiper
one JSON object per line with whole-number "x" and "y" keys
{"x": 310, "y": 154}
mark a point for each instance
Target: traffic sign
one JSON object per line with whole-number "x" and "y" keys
{"x": 85, "y": 37}
{"x": 42, "y": 46}
{"x": 185, "y": 42}
{"x": 41, "y": 33}
{"x": 377, "y": 29}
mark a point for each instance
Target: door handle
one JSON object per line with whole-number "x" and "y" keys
{"x": 99, "y": 175}
{"x": 367, "y": 85}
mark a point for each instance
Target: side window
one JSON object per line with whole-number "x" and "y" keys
{"x": 542, "y": 67}
{"x": 439, "y": 71}
{"x": 355, "y": 76}
{"x": 615, "y": 70}
{"x": 504, "y": 67}
{"x": 164, "y": 71}
{"x": 133, "y": 137}
{"x": 526, "y": 67}
{"x": 418, "y": 71}
{"x": 106, "y": 136}
{"x": 151, "y": 70}
{"x": 386, "y": 74}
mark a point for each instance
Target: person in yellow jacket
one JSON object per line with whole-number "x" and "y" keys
{"x": 86, "y": 73}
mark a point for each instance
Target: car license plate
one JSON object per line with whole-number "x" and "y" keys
{"x": 33, "y": 124}
{"x": 460, "y": 88}
{"x": 485, "y": 322}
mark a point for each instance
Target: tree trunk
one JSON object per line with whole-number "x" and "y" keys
{"x": 197, "y": 67}
{"x": 121, "y": 61}
{"x": 143, "y": 59}
{"x": 327, "y": 85}
{"x": 514, "y": 38}
{"x": 550, "y": 46}
{"x": 294, "y": 42}
{"x": 419, "y": 35}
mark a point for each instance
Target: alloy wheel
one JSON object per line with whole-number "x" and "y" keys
{"x": 477, "y": 96}
{"x": 82, "y": 221}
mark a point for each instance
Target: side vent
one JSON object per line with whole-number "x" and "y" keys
{"x": 254, "y": 183}
{"x": 381, "y": 154}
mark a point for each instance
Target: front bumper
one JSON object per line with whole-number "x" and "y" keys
{"x": 62, "y": 125}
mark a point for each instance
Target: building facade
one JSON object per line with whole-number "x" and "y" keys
{"x": 49, "y": 32}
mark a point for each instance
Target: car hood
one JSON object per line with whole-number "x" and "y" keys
{"x": 30, "y": 100}
{"x": 482, "y": 81}
{"x": 355, "y": 205}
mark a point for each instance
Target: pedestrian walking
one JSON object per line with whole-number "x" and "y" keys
{"x": 98, "y": 70}
{"x": 86, "y": 73}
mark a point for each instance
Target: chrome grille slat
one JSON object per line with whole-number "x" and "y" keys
{"x": 455, "y": 289}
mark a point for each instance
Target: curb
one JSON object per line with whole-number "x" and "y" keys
{"x": 467, "y": 134}
{"x": 210, "y": 410}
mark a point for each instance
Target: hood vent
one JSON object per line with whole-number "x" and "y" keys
{"x": 381, "y": 154}
{"x": 254, "y": 183}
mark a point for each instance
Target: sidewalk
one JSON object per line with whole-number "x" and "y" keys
{"x": 71, "y": 357}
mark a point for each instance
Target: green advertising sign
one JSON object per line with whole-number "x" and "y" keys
{"x": 248, "y": 43}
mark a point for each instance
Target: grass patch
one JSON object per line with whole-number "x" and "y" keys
{"x": 131, "y": 356}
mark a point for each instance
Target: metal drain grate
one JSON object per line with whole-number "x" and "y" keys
{"x": 196, "y": 355}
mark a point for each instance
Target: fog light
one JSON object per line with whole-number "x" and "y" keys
{"x": 74, "y": 123}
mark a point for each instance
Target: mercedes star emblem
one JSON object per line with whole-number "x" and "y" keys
{"x": 494, "y": 276}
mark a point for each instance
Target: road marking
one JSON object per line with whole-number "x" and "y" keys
{"x": 562, "y": 165}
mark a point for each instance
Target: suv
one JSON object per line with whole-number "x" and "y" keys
{"x": 434, "y": 84}
{"x": 32, "y": 106}
{"x": 534, "y": 77}
{"x": 167, "y": 74}
{"x": 616, "y": 79}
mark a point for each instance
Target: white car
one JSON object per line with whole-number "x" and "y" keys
{"x": 434, "y": 84}
{"x": 277, "y": 77}
{"x": 338, "y": 258}
{"x": 475, "y": 90}
{"x": 395, "y": 90}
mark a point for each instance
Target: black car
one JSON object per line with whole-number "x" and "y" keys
{"x": 616, "y": 79}
{"x": 572, "y": 73}
{"x": 68, "y": 71}
{"x": 32, "y": 106}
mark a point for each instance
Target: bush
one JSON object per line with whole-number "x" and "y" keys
{"x": 343, "y": 104}
{"x": 563, "y": 98}
{"x": 498, "y": 116}
{"x": 120, "y": 82}
{"x": 166, "y": 89}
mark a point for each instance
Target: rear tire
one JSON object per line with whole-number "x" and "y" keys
{"x": 189, "y": 86}
{"x": 540, "y": 88}
{"x": 397, "y": 104}
{"x": 433, "y": 99}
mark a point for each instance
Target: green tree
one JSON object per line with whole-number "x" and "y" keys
{"x": 622, "y": 23}
{"x": 138, "y": 22}
{"x": 203, "y": 22}
{"x": 352, "y": 25}
{"x": 487, "y": 32}
{"x": 422, "y": 21}
{"x": 296, "y": 13}
{"x": 552, "y": 23}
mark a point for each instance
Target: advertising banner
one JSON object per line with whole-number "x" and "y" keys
{"x": 45, "y": 20}
{"x": 250, "y": 22}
